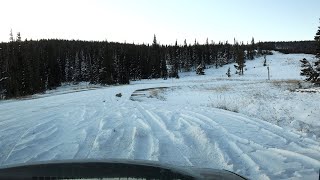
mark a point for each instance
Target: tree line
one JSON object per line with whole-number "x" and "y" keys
{"x": 34, "y": 66}
{"x": 289, "y": 47}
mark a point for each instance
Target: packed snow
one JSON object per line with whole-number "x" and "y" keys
{"x": 258, "y": 128}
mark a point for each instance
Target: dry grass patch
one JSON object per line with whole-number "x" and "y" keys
{"x": 218, "y": 89}
{"x": 290, "y": 85}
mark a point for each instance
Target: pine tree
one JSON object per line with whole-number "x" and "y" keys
{"x": 240, "y": 61}
{"x": 175, "y": 59}
{"x": 11, "y": 36}
{"x": 312, "y": 73}
{"x": 116, "y": 67}
{"x": 213, "y": 55}
{"x": 27, "y": 70}
{"x": 317, "y": 39}
{"x": 138, "y": 69}
{"x": 108, "y": 65}
{"x": 259, "y": 49}
{"x": 265, "y": 60}
{"x": 169, "y": 63}
{"x": 163, "y": 65}
{"x": 308, "y": 71}
{"x": 207, "y": 52}
{"x": 3, "y": 73}
{"x": 221, "y": 56}
{"x": 195, "y": 57}
{"x": 53, "y": 70}
{"x": 155, "y": 59}
{"x": 185, "y": 57}
{"x": 84, "y": 71}
{"x": 77, "y": 69}
{"x": 252, "y": 49}
{"x": 67, "y": 70}
{"x": 124, "y": 75}
{"x": 94, "y": 77}
{"x": 19, "y": 73}
{"x": 18, "y": 37}
{"x": 228, "y": 72}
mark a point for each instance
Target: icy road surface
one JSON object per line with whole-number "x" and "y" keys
{"x": 96, "y": 124}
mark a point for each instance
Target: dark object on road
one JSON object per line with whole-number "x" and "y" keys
{"x": 119, "y": 95}
{"x": 200, "y": 69}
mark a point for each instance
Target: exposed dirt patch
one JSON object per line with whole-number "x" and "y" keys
{"x": 139, "y": 94}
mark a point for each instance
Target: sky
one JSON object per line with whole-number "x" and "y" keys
{"x": 170, "y": 20}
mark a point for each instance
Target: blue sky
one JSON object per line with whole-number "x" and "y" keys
{"x": 137, "y": 20}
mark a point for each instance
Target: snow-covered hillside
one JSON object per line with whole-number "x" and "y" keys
{"x": 258, "y": 128}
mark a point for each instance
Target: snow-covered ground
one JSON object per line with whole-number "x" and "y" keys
{"x": 258, "y": 128}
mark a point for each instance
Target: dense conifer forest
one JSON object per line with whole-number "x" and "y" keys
{"x": 34, "y": 66}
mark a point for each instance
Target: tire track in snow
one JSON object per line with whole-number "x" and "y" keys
{"x": 7, "y": 150}
{"x": 29, "y": 147}
{"x": 92, "y": 121}
{"x": 62, "y": 134}
{"x": 119, "y": 144}
{"x": 160, "y": 127}
{"x": 86, "y": 146}
{"x": 277, "y": 136}
{"x": 144, "y": 144}
{"x": 175, "y": 125}
{"x": 249, "y": 150}
{"x": 90, "y": 125}
{"x": 267, "y": 127}
{"x": 169, "y": 145}
{"x": 210, "y": 145}
{"x": 305, "y": 159}
{"x": 26, "y": 121}
{"x": 228, "y": 148}
{"x": 115, "y": 139}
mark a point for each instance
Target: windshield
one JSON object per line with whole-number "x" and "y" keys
{"x": 222, "y": 85}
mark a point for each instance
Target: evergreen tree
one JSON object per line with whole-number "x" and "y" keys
{"x": 195, "y": 56}
{"x": 312, "y": 73}
{"x": 85, "y": 69}
{"x": 240, "y": 61}
{"x": 175, "y": 59}
{"x": 163, "y": 65}
{"x": 265, "y": 60}
{"x": 169, "y": 63}
{"x": 185, "y": 57}
{"x": 77, "y": 69}
{"x": 19, "y": 68}
{"x": 18, "y": 37}
{"x": 116, "y": 67}
{"x": 317, "y": 39}
{"x": 155, "y": 59}
{"x": 52, "y": 67}
{"x": 11, "y": 36}
{"x": 26, "y": 68}
{"x": 252, "y": 51}
{"x": 124, "y": 74}
{"x": 213, "y": 55}
{"x": 207, "y": 53}
{"x": 308, "y": 71}
{"x": 228, "y": 72}
{"x": 109, "y": 74}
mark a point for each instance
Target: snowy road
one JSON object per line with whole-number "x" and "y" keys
{"x": 97, "y": 124}
{"x": 179, "y": 125}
